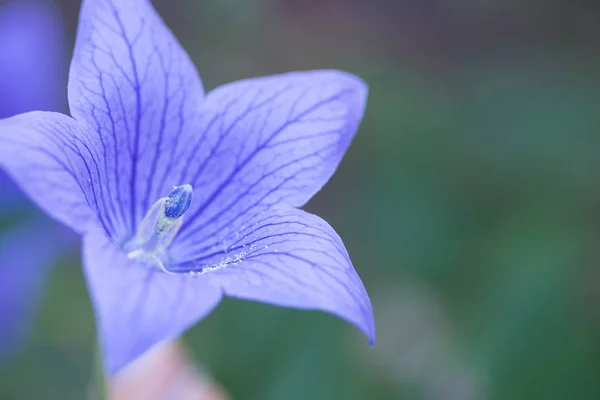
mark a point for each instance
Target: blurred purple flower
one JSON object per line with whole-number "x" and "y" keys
{"x": 27, "y": 252}
{"x": 144, "y": 138}
{"x": 31, "y": 67}
{"x": 31, "y": 60}
{"x": 30, "y": 36}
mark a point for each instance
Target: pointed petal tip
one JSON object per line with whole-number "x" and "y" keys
{"x": 112, "y": 369}
{"x": 351, "y": 80}
{"x": 369, "y": 330}
{"x": 137, "y": 308}
{"x": 366, "y": 326}
{"x": 359, "y": 88}
{"x": 372, "y": 338}
{"x": 372, "y": 335}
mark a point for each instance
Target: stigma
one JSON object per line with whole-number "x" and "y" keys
{"x": 159, "y": 227}
{"x": 178, "y": 201}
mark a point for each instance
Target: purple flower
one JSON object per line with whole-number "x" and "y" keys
{"x": 183, "y": 197}
{"x": 30, "y": 35}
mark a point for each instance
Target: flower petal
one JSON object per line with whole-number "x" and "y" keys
{"x": 266, "y": 141}
{"x": 290, "y": 258}
{"x": 137, "y": 307}
{"x": 133, "y": 83}
{"x": 48, "y": 156}
{"x": 26, "y": 254}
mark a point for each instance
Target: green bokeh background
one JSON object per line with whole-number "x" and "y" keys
{"x": 469, "y": 202}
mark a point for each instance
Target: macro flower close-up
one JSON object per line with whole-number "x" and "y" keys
{"x": 283, "y": 199}
{"x": 181, "y": 196}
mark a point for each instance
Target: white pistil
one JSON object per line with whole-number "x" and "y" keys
{"x": 167, "y": 216}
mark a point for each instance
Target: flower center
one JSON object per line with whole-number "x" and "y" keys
{"x": 159, "y": 227}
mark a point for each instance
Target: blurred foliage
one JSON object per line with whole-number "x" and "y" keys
{"x": 469, "y": 202}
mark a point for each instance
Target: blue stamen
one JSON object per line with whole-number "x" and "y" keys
{"x": 178, "y": 201}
